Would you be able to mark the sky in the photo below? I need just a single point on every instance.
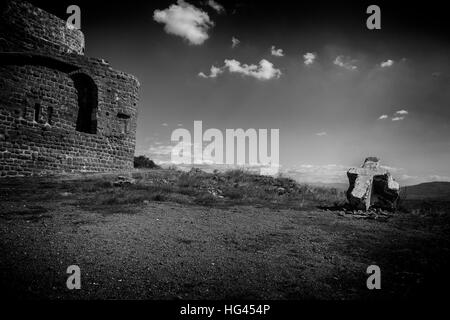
(337, 91)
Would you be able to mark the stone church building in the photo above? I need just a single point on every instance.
(60, 111)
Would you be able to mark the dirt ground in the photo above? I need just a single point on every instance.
(168, 250)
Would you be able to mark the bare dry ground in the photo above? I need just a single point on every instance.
(166, 237)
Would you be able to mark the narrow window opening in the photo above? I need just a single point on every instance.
(37, 112)
(50, 115)
(125, 126)
(23, 113)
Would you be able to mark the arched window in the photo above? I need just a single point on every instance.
(87, 102)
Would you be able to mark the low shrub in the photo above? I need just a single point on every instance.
(142, 162)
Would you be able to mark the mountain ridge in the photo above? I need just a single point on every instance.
(427, 190)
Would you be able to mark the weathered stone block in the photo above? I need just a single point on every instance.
(371, 185)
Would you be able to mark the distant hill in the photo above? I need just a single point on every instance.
(427, 190)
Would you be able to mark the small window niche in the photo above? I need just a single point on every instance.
(50, 115)
(23, 113)
(37, 112)
(124, 122)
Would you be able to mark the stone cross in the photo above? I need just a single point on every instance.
(371, 185)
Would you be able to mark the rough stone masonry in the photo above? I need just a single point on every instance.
(60, 111)
(371, 185)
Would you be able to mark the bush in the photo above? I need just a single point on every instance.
(159, 197)
(233, 194)
(187, 180)
(205, 199)
(237, 174)
(144, 162)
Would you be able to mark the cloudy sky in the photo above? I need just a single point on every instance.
(337, 91)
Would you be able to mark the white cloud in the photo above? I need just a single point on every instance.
(263, 71)
(321, 134)
(185, 20)
(345, 62)
(407, 177)
(164, 124)
(216, 6)
(383, 116)
(235, 42)
(309, 58)
(276, 52)
(392, 169)
(387, 63)
(399, 115)
(213, 73)
(438, 178)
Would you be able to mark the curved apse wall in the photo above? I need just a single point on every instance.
(58, 108)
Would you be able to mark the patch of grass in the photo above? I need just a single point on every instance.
(188, 191)
(205, 199)
(122, 198)
(132, 194)
(233, 194)
(186, 180)
(425, 207)
(230, 188)
(159, 196)
(233, 187)
(85, 185)
(237, 174)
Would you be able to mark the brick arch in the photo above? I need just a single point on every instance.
(87, 95)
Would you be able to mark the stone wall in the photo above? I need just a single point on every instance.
(59, 110)
(30, 28)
